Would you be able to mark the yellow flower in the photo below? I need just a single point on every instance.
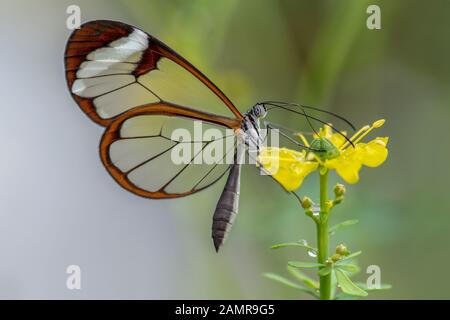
(287, 166)
(328, 150)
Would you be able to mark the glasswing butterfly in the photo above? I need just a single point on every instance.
(141, 90)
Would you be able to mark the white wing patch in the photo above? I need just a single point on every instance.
(94, 87)
(89, 69)
(137, 40)
(107, 76)
(115, 55)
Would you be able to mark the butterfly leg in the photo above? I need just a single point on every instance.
(280, 129)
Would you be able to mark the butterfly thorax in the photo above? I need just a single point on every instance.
(252, 117)
(251, 127)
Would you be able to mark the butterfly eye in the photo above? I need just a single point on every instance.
(259, 110)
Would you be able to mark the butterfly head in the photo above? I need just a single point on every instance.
(259, 111)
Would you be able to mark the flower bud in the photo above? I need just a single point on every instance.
(378, 123)
(339, 190)
(342, 250)
(329, 204)
(336, 257)
(306, 203)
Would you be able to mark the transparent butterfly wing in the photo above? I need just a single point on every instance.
(112, 67)
(164, 155)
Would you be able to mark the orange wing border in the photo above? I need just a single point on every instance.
(112, 134)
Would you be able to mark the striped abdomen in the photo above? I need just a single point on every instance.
(227, 207)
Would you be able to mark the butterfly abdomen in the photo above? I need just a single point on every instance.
(227, 207)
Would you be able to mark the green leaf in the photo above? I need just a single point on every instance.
(300, 243)
(344, 296)
(289, 283)
(313, 284)
(351, 268)
(346, 259)
(300, 264)
(325, 271)
(346, 223)
(353, 255)
(347, 286)
(383, 286)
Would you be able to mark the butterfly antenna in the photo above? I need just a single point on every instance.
(314, 108)
(274, 105)
(309, 122)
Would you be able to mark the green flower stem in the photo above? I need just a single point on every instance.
(323, 236)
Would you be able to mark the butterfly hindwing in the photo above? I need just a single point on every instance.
(142, 152)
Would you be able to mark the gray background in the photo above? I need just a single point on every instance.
(59, 206)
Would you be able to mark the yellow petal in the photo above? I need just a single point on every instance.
(373, 153)
(349, 173)
(337, 139)
(288, 167)
(327, 131)
(347, 165)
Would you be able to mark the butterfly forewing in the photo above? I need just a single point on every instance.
(112, 67)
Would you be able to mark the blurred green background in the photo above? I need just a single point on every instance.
(319, 53)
